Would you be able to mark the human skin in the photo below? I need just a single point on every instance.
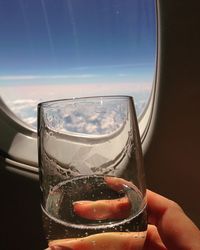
(172, 229)
(169, 229)
(103, 209)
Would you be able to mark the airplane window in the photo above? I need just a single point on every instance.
(53, 49)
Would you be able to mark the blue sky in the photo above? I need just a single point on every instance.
(76, 41)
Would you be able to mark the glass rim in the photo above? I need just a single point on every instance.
(48, 105)
(128, 97)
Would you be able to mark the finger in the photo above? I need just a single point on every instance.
(102, 241)
(177, 231)
(153, 240)
(118, 184)
(103, 209)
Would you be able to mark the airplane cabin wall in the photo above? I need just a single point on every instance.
(172, 150)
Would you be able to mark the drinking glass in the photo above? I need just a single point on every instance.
(91, 173)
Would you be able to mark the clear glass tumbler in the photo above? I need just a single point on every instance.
(91, 173)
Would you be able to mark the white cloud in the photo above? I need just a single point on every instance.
(38, 77)
(85, 119)
(23, 99)
(30, 120)
(125, 65)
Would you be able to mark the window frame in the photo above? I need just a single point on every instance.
(19, 150)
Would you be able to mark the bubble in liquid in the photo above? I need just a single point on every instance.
(51, 133)
(94, 243)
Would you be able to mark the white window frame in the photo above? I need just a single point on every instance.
(20, 151)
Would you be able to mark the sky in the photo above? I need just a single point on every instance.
(75, 37)
(76, 43)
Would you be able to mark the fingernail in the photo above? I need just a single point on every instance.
(60, 248)
(57, 248)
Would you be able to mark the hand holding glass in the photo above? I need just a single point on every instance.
(91, 173)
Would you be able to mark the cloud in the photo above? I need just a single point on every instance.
(31, 121)
(113, 66)
(46, 92)
(23, 99)
(83, 121)
(95, 119)
(38, 77)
